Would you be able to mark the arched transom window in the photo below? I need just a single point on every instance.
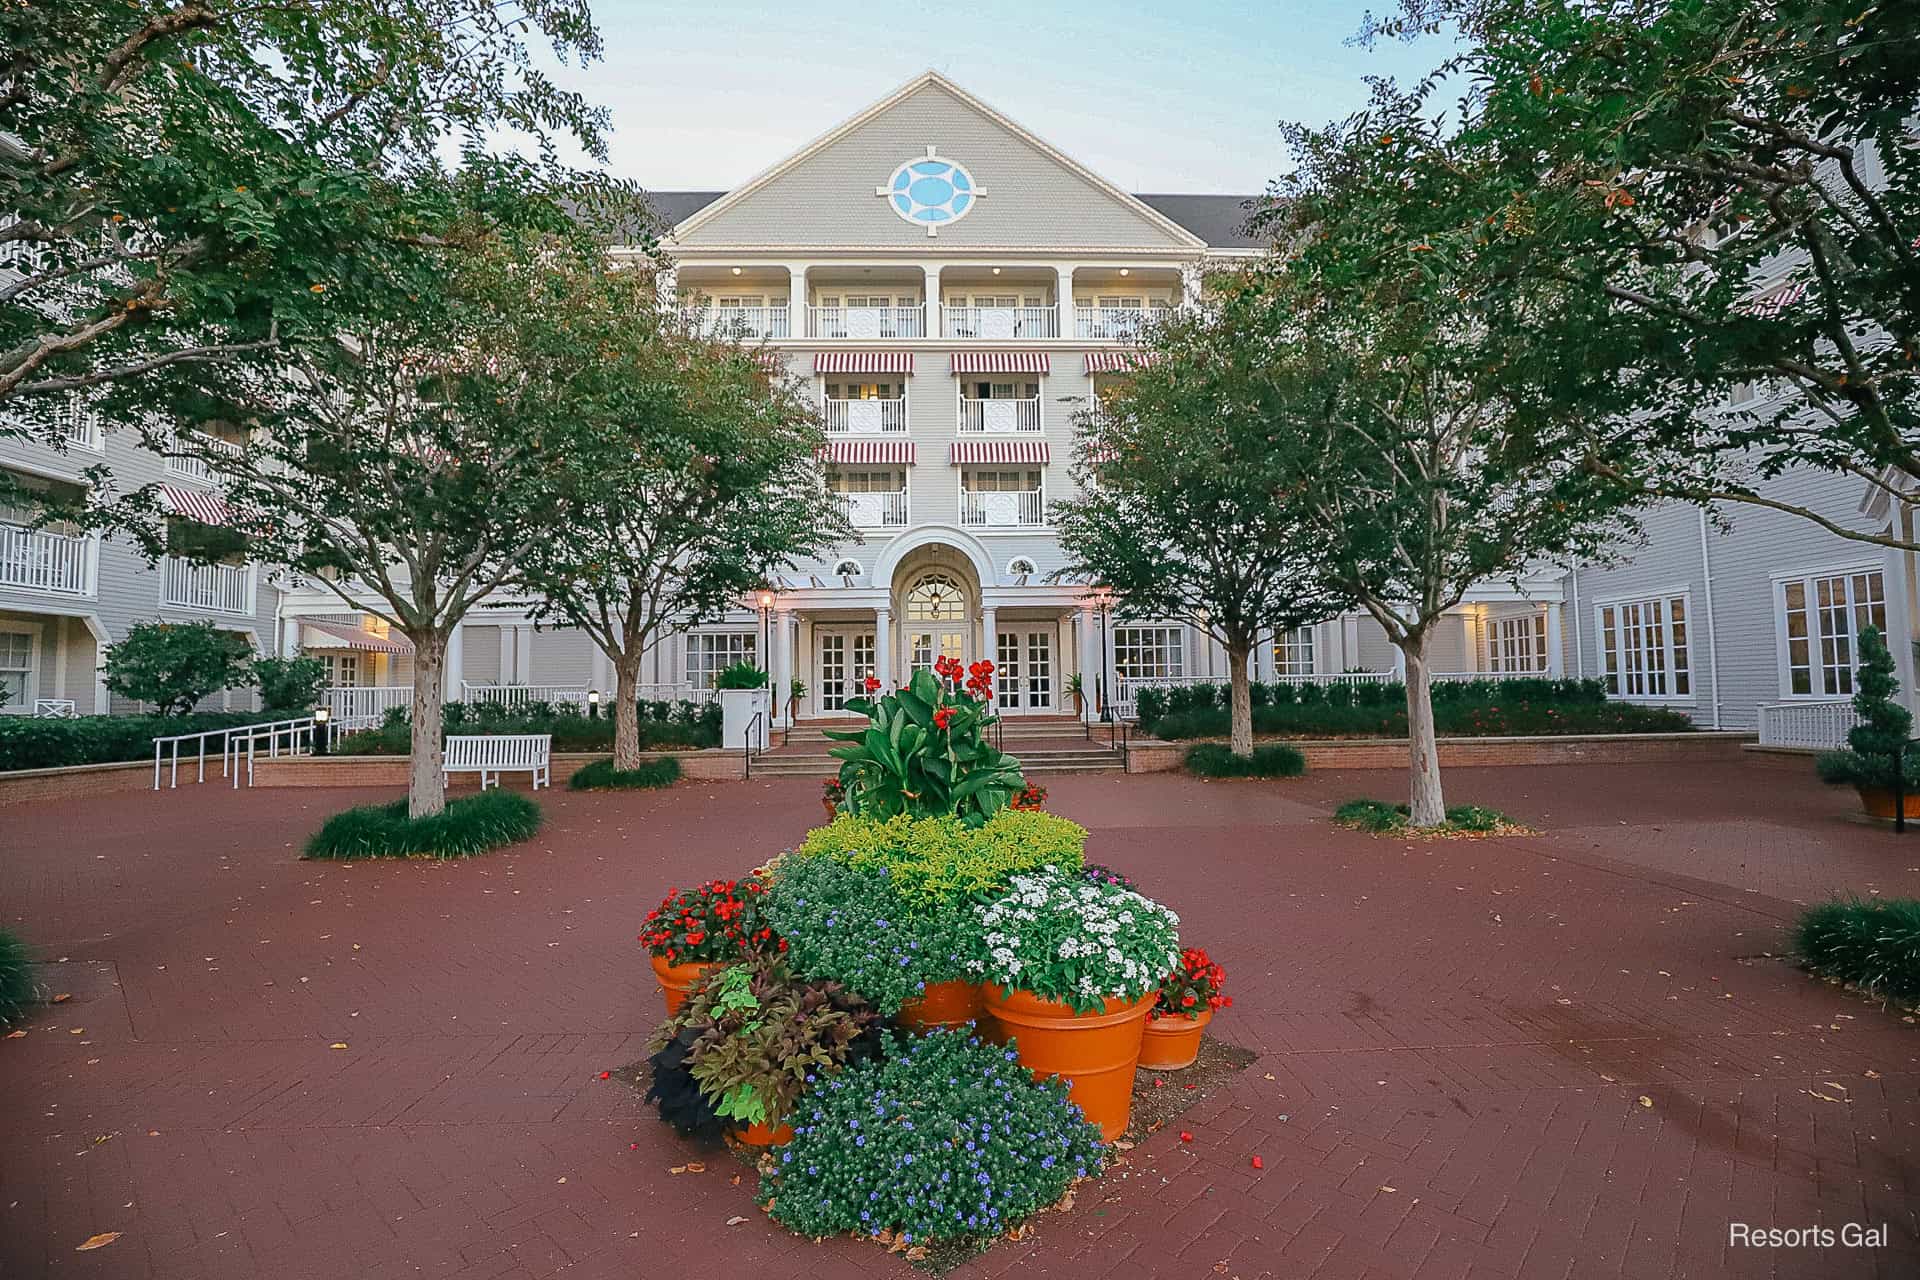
(936, 598)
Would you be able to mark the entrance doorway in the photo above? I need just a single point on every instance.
(1023, 679)
(937, 625)
(843, 659)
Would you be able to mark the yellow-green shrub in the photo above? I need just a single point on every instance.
(934, 860)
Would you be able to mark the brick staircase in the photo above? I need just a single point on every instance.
(1044, 744)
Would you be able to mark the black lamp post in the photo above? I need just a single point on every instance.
(321, 717)
(593, 704)
(1106, 707)
(766, 635)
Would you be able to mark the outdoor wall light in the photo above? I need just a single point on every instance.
(593, 704)
(1123, 271)
(736, 271)
(322, 716)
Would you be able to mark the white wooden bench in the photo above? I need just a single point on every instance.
(490, 755)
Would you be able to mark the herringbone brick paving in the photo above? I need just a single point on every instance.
(1458, 1041)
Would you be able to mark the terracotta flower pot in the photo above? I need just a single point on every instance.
(945, 1004)
(831, 809)
(1878, 802)
(1172, 1042)
(1095, 1052)
(677, 979)
(765, 1135)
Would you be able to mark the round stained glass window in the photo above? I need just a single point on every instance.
(931, 191)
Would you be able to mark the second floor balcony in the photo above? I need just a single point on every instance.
(1003, 416)
(746, 323)
(219, 588)
(192, 466)
(43, 561)
(1115, 323)
(870, 416)
(1002, 508)
(883, 509)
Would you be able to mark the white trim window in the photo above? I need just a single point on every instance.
(1819, 621)
(1644, 651)
(343, 669)
(1517, 645)
(711, 652)
(16, 671)
(1149, 653)
(1293, 652)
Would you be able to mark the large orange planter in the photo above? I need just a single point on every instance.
(1095, 1052)
(1172, 1042)
(765, 1135)
(677, 979)
(1878, 802)
(944, 1004)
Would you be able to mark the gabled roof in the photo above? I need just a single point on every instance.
(1219, 220)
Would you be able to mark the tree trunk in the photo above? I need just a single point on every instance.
(626, 713)
(1428, 806)
(1241, 700)
(426, 781)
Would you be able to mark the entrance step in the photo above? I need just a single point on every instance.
(805, 762)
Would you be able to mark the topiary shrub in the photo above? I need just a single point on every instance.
(469, 825)
(1880, 751)
(848, 925)
(940, 860)
(942, 1137)
(600, 775)
(1873, 945)
(1217, 760)
(16, 978)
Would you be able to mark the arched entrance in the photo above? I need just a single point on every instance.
(935, 595)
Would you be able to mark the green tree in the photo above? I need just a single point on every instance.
(174, 665)
(1180, 512)
(289, 683)
(693, 474)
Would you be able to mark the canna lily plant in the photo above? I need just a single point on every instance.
(924, 751)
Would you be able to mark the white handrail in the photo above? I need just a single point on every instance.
(229, 750)
(293, 730)
(1821, 725)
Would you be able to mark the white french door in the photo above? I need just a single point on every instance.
(1023, 676)
(842, 662)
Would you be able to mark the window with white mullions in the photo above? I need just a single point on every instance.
(1293, 652)
(1006, 678)
(343, 669)
(711, 652)
(1821, 617)
(1644, 648)
(1149, 653)
(1517, 645)
(16, 671)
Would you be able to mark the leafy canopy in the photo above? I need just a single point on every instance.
(173, 665)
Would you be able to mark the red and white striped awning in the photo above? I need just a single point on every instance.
(1001, 362)
(197, 504)
(866, 452)
(863, 362)
(337, 635)
(969, 452)
(774, 362)
(1768, 305)
(1118, 361)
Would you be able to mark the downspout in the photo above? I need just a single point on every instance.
(1579, 649)
(1713, 650)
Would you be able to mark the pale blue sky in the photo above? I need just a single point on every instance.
(1154, 96)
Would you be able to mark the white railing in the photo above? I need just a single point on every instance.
(364, 706)
(999, 417)
(740, 322)
(191, 467)
(881, 510)
(672, 693)
(80, 426)
(1113, 324)
(1011, 508)
(223, 588)
(865, 417)
(1344, 677)
(515, 695)
(55, 709)
(866, 322)
(1818, 725)
(995, 323)
(39, 560)
(231, 743)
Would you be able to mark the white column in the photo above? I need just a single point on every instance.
(1190, 286)
(57, 632)
(667, 288)
(454, 663)
(523, 654)
(601, 674)
(1063, 295)
(1556, 661)
(990, 629)
(1349, 641)
(933, 301)
(883, 646)
(1264, 665)
(797, 300)
(781, 677)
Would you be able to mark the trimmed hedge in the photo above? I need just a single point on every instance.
(16, 978)
(1217, 760)
(1873, 945)
(1382, 818)
(662, 724)
(1461, 708)
(600, 775)
(469, 825)
(27, 743)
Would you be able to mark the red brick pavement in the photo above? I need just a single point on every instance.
(1454, 1040)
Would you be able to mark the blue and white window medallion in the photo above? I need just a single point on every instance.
(931, 192)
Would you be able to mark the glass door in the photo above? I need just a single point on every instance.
(1039, 689)
(1006, 677)
(844, 660)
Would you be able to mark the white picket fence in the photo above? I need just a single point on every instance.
(1815, 725)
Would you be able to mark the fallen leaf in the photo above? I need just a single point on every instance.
(735, 1221)
(100, 1241)
(734, 1181)
(606, 1075)
(16, 1035)
(63, 997)
(677, 1170)
(338, 1044)
(1385, 1187)
(694, 1166)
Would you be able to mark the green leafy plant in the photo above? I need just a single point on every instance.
(719, 921)
(600, 775)
(469, 825)
(16, 978)
(1382, 818)
(1063, 937)
(175, 664)
(756, 1038)
(741, 675)
(939, 860)
(849, 925)
(1217, 760)
(943, 1137)
(27, 743)
(290, 684)
(1880, 749)
(1874, 945)
(923, 752)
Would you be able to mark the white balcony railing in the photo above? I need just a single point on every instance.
(222, 588)
(740, 322)
(79, 425)
(39, 560)
(364, 706)
(197, 468)
(1113, 324)
(1818, 725)
(865, 417)
(866, 322)
(514, 695)
(1006, 509)
(881, 510)
(999, 417)
(996, 323)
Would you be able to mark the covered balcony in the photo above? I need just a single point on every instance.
(1002, 484)
(191, 463)
(1119, 304)
(50, 560)
(999, 304)
(863, 392)
(745, 304)
(869, 479)
(866, 302)
(216, 588)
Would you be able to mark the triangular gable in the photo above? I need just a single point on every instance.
(987, 181)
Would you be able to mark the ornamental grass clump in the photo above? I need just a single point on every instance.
(600, 775)
(1063, 938)
(469, 825)
(940, 860)
(942, 1137)
(848, 925)
(1873, 945)
(16, 978)
(1217, 760)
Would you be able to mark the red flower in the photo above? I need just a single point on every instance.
(943, 717)
(873, 684)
